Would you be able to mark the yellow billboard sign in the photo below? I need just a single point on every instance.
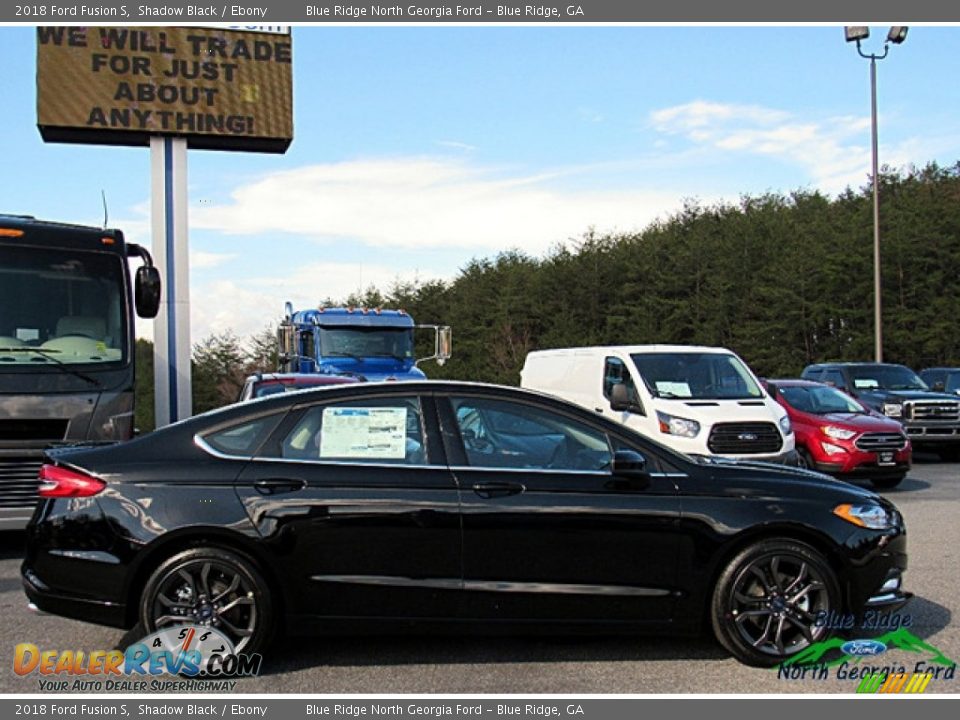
(218, 88)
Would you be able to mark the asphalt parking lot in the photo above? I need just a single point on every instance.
(929, 499)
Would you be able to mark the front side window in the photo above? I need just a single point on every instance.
(61, 306)
(616, 372)
(696, 375)
(953, 382)
(504, 434)
(371, 430)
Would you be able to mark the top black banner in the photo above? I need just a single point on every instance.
(266, 14)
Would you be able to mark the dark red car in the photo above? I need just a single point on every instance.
(263, 384)
(839, 436)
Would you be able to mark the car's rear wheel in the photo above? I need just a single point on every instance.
(768, 599)
(886, 483)
(210, 587)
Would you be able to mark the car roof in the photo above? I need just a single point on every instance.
(308, 378)
(853, 363)
(793, 382)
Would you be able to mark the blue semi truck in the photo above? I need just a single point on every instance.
(373, 343)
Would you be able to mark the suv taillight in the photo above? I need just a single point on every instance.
(61, 482)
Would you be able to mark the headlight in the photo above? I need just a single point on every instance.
(866, 516)
(677, 426)
(831, 449)
(893, 409)
(838, 433)
(785, 427)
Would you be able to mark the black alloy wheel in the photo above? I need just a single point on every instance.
(767, 601)
(214, 588)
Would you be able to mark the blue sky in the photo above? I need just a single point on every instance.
(418, 148)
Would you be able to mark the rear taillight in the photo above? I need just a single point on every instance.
(61, 482)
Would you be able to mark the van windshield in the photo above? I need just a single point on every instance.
(696, 375)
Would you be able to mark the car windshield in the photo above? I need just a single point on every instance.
(367, 342)
(699, 375)
(819, 400)
(60, 307)
(886, 377)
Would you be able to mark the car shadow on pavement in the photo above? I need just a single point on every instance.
(294, 653)
(12, 544)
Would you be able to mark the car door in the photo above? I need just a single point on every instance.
(356, 499)
(548, 531)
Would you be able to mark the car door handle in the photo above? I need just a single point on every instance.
(498, 489)
(274, 486)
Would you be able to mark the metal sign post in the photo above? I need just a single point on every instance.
(171, 346)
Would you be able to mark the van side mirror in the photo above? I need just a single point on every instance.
(620, 400)
(629, 464)
(146, 291)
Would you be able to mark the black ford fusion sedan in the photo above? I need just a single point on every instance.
(398, 505)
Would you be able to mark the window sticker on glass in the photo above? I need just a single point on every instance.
(865, 383)
(677, 389)
(378, 433)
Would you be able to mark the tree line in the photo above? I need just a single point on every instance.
(782, 279)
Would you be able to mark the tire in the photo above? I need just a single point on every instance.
(766, 600)
(241, 607)
(949, 454)
(804, 459)
(887, 483)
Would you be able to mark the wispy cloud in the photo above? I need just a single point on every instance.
(833, 151)
(429, 202)
(456, 145)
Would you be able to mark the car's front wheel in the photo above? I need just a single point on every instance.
(770, 600)
(210, 587)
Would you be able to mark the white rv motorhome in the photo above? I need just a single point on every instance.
(697, 400)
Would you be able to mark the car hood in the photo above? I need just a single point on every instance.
(882, 395)
(759, 476)
(857, 421)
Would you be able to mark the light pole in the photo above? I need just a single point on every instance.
(897, 34)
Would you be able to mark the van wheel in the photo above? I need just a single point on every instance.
(210, 587)
(766, 602)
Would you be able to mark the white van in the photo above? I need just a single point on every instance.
(697, 400)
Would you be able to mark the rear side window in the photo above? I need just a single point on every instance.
(243, 439)
(373, 430)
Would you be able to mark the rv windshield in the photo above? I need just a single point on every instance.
(367, 342)
(696, 375)
(60, 307)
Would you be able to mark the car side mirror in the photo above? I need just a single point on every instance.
(146, 291)
(629, 464)
(620, 400)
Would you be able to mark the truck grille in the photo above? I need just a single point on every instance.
(877, 442)
(744, 439)
(18, 483)
(933, 410)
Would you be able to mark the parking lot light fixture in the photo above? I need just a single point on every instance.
(896, 35)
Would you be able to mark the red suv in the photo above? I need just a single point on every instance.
(839, 436)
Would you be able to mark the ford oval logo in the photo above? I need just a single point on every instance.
(862, 648)
(747, 437)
